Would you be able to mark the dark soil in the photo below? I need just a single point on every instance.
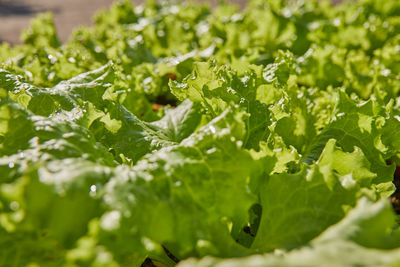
(395, 197)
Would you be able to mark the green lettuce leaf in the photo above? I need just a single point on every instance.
(351, 242)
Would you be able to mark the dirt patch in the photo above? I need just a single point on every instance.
(15, 15)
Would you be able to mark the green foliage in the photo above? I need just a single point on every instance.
(173, 131)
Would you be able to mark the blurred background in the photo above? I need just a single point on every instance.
(15, 15)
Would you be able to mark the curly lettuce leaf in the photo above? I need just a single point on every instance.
(351, 242)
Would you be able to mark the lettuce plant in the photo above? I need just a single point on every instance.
(175, 134)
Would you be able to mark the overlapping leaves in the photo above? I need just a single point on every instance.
(173, 131)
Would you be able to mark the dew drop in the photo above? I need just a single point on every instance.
(14, 205)
(245, 79)
(178, 183)
(93, 190)
(148, 80)
(211, 150)
(212, 129)
(111, 221)
(385, 72)
(160, 33)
